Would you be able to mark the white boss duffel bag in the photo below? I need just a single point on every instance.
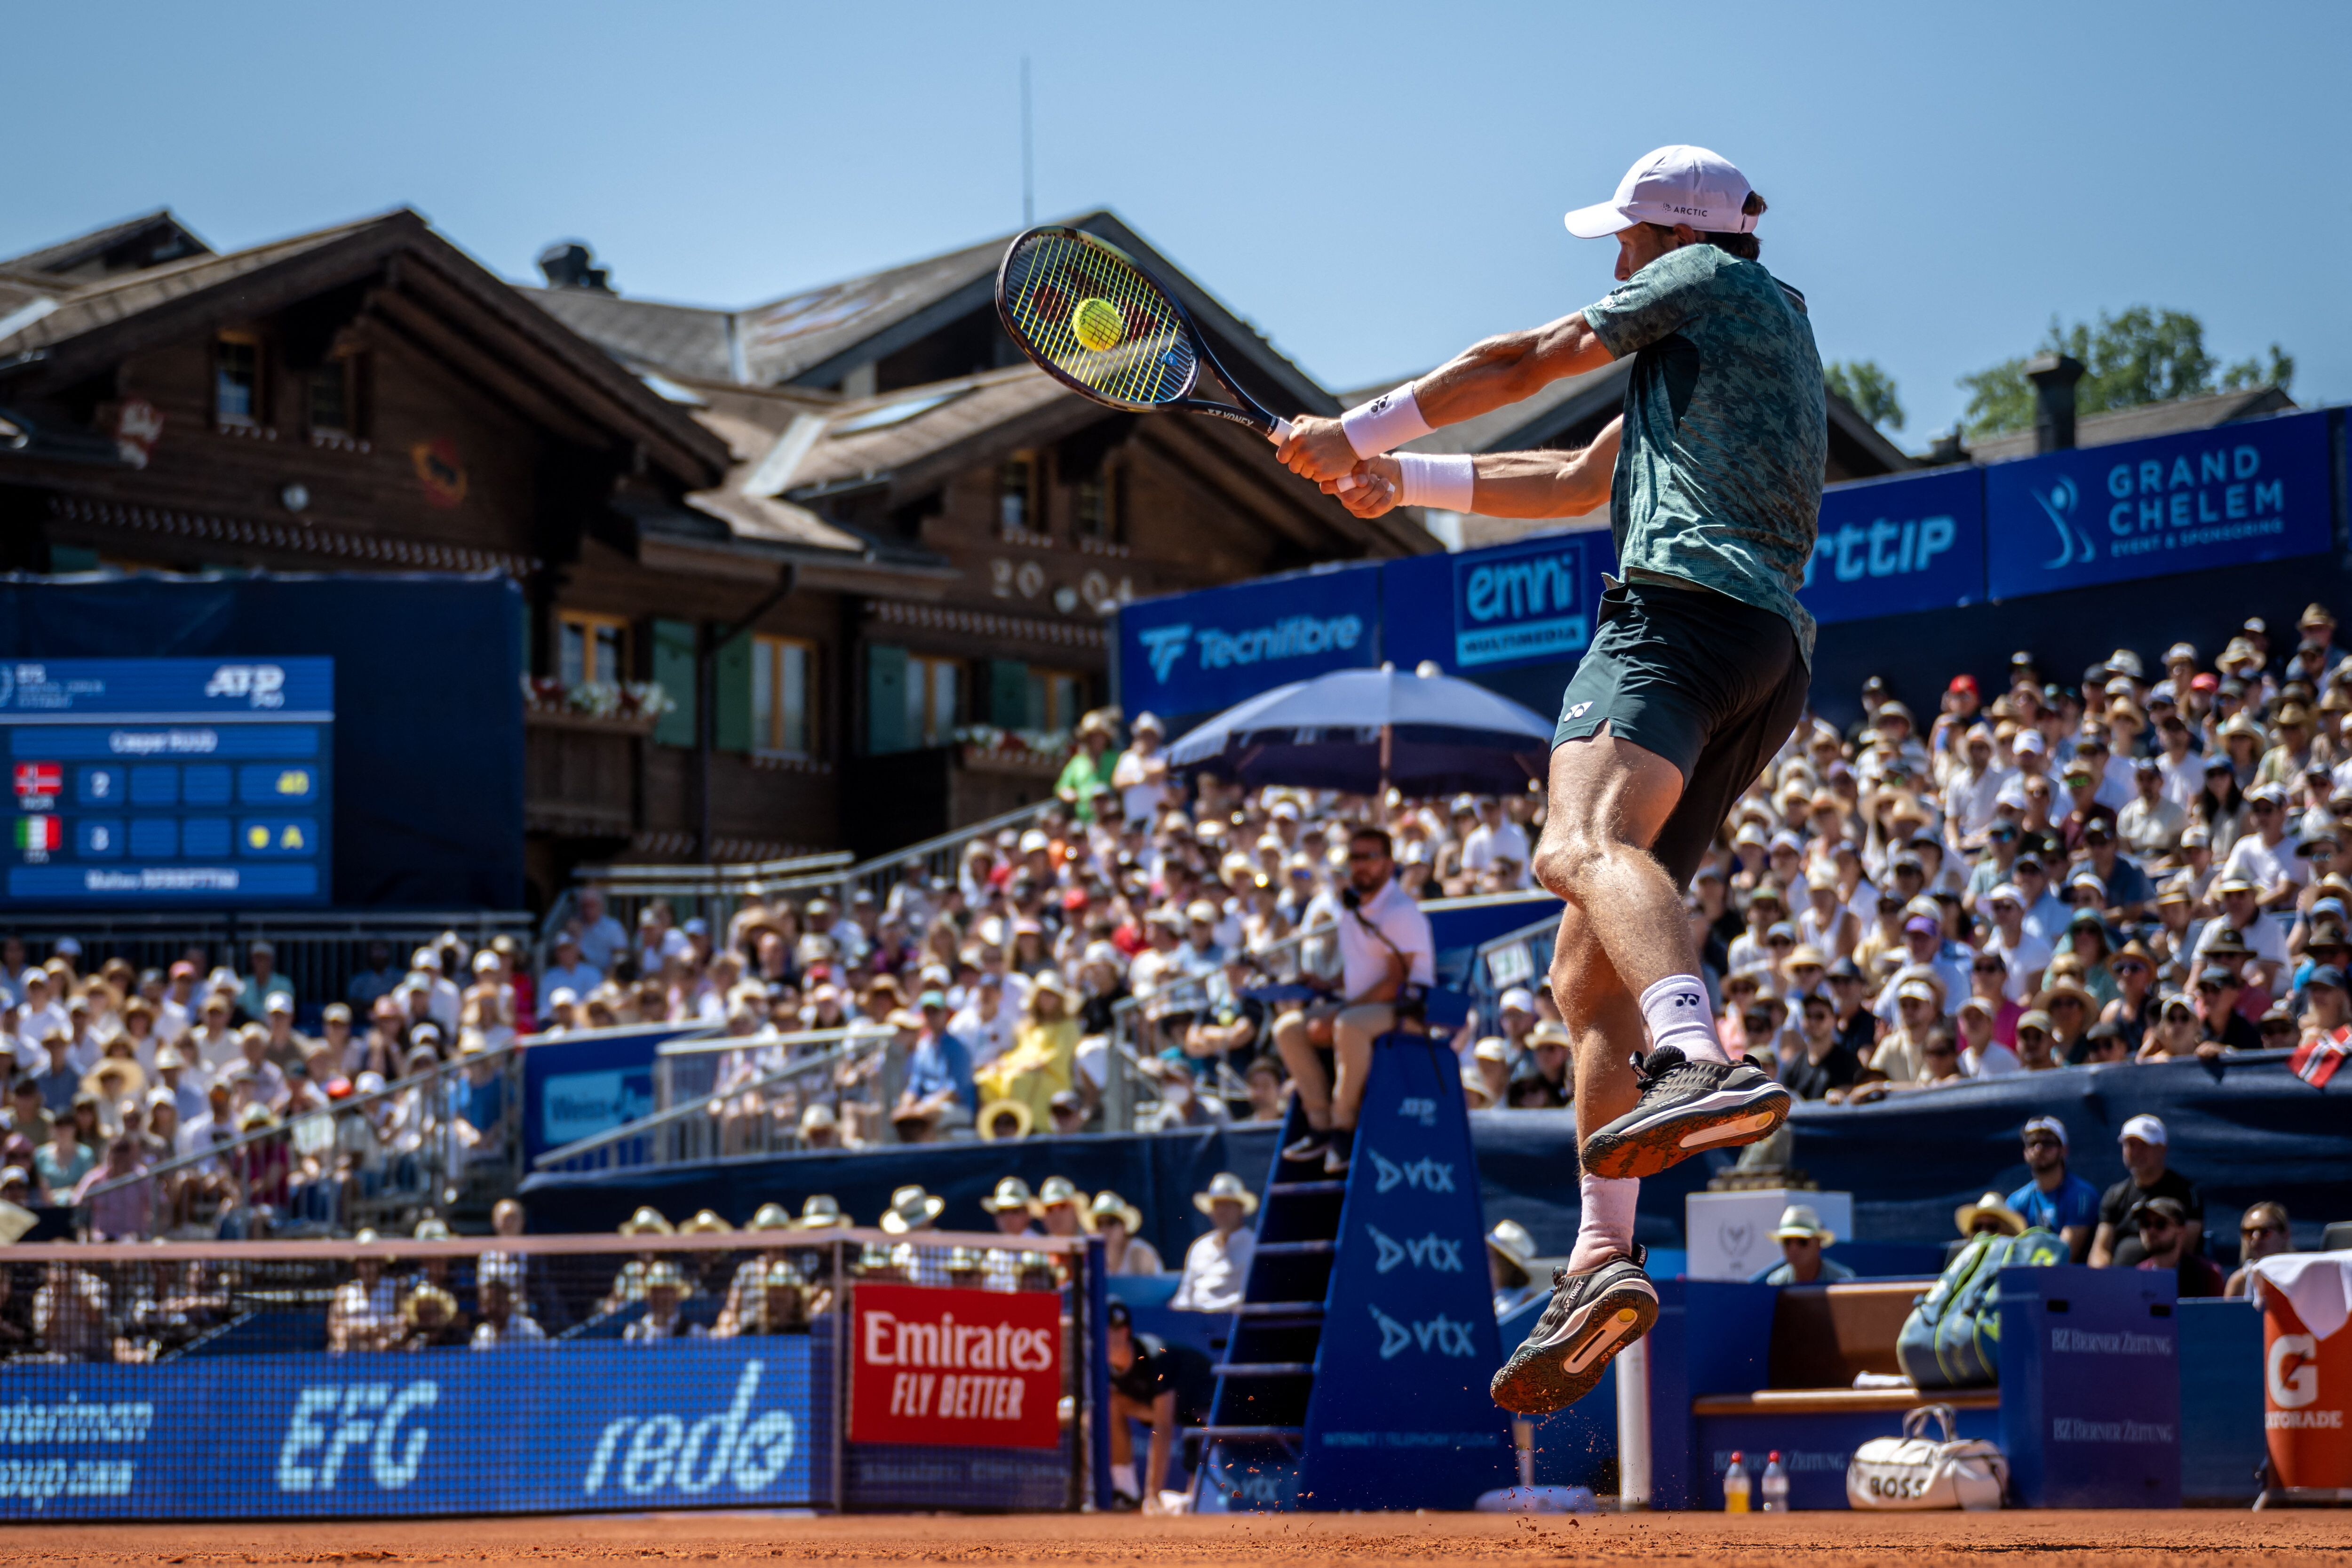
(1915, 1471)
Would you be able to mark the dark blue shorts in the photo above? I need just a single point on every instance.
(1711, 684)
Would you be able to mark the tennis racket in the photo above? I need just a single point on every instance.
(1088, 316)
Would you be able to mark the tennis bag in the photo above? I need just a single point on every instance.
(1916, 1472)
(1952, 1337)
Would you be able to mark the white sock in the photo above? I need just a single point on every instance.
(1605, 1230)
(1676, 1012)
(1122, 1479)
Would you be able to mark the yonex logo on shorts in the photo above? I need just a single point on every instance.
(1579, 710)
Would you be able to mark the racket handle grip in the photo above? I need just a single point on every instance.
(1281, 433)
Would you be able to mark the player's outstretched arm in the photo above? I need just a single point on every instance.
(1503, 484)
(1482, 377)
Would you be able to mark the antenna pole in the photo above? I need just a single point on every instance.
(1028, 158)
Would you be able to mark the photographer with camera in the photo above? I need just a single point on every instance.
(1387, 960)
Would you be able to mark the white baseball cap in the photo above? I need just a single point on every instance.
(2146, 1128)
(1674, 185)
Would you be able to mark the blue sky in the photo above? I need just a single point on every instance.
(1375, 184)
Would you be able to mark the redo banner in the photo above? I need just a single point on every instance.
(966, 1368)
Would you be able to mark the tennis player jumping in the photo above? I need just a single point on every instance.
(1695, 676)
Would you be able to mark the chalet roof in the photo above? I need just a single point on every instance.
(2148, 419)
(814, 336)
(876, 435)
(61, 329)
(147, 240)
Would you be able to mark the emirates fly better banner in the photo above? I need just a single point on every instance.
(964, 1368)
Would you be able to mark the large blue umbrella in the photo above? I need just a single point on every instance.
(1362, 730)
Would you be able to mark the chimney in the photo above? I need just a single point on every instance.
(2053, 377)
(566, 264)
(1947, 449)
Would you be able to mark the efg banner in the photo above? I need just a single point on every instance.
(535, 1429)
(1194, 653)
(1894, 545)
(1530, 602)
(2223, 497)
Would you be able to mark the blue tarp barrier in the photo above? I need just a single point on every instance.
(2243, 1129)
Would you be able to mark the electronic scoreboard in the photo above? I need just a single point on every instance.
(144, 782)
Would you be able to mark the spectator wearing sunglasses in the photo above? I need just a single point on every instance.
(2133, 969)
(2267, 857)
(2262, 1233)
(2055, 1198)
(1989, 980)
(2248, 936)
(2328, 1009)
(2127, 889)
(2221, 1026)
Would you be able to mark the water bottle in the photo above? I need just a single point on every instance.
(1735, 1486)
(1775, 1484)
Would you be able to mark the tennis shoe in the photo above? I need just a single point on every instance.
(1687, 1108)
(1593, 1316)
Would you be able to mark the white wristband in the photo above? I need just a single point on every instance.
(1387, 422)
(1446, 482)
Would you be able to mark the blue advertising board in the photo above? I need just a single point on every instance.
(2256, 490)
(578, 1084)
(1533, 601)
(543, 1429)
(1192, 653)
(1894, 545)
(139, 782)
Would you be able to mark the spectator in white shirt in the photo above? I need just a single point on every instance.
(1497, 843)
(445, 1003)
(1969, 796)
(1216, 1266)
(601, 939)
(39, 1013)
(1982, 1056)
(1140, 775)
(985, 1025)
(2267, 857)
(2025, 955)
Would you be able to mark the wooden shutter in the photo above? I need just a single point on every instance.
(673, 668)
(731, 696)
(886, 698)
(1008, 694)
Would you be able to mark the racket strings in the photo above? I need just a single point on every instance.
(1045, 283)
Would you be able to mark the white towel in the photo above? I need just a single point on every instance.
(2317, 1285)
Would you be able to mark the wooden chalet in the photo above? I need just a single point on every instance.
(852, 536)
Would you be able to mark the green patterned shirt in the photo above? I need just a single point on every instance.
(1719, 480)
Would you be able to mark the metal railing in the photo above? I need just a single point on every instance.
(751, 1112)
(1521, 957)
(714, 893)
(1129, 1091)
(448, 1139)
(319, 954)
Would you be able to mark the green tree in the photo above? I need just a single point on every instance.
(1869, 388)
(2140, 356)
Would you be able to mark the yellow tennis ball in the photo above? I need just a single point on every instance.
(1096, 325)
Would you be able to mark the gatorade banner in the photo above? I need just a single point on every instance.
(964, 1368)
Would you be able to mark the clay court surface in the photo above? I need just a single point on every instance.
(2203, 1538)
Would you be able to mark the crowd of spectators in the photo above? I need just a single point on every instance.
(183, 1070)
(2139, 864)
